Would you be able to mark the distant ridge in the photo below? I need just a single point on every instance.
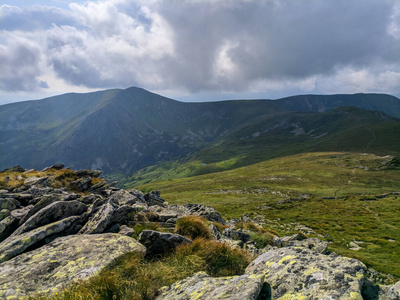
(121, 131)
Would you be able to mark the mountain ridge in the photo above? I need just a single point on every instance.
(121, 131)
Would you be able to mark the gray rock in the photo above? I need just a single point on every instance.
(394, 291)
(44, 201)
(4, 213)
(7, 226)
(154, 198)
(123, 197)
(313, 243)
(125, 230)
(51, 213)
(36, 181)
(277, 241)
(138, 194)
(203, 287)
(87, 172)
(55, 167)
(205, 211)
(82, 184)
(15, 245)
(22, 212)
(215, 232)
(102, 219)
(9, 203)
(54, 266)
(236, 235)
(161, 242)
(300, 273)
(287, 240)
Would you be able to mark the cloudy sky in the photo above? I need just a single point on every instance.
(196, 50)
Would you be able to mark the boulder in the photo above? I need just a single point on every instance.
(15, 245)
(9, 203)
(394, 291)
(55, 167)
(123, 197)
(21, 212)
(82, 184)
(54, 266)
(300, 273)
(102, 219)
(125, 230)
(205, 211)
(36, 180)
(311, 243)
(7, 226)
(87, 172)
(236, 235)
(4, 213)
(161, 242)
(42, 203)
(203, 287)
(154, 198)
(51, 213)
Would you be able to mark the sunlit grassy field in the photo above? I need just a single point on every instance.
(342, 196)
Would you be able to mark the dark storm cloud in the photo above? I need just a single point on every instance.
(207, 46)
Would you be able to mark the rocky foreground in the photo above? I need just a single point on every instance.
(53, 234)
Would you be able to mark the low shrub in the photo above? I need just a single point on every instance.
(193, 227)
(145, 226)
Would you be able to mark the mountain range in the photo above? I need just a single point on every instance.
(131, 132)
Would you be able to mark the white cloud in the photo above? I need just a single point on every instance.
(203, 46)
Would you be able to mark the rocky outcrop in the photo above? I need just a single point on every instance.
(296, 272)
(51, 236)
(61, 262)
(203, 287)
(161, 242)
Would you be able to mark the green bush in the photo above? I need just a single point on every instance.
(193, 227)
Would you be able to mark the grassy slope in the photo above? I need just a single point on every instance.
(353, 214)
(344, 129)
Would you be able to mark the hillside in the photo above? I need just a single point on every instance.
(343, 197)
(123, 131)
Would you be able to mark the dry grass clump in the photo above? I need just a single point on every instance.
(261, 236)
(193, 227)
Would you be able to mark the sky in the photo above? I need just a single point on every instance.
(199, 50)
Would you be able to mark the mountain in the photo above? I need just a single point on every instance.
(123, 131)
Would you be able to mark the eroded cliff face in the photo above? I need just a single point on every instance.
(58, 226)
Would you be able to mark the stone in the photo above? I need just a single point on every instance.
(51, 213)
(205, 211)
(42, 203)
(21, 212)
(203, 287)
(154, 198)
(102, 219)
(138, 194)
(300, 273)
(236, 235)
(14, 245)
(82, 184)
(287, 240)
(161, 242)
(394, 291)
(7, 226)
(214, 232)
(123, 197)
(87, 172)
(9, 203)
(4, 213)
(18, 169)
(36, 180)
(54, 266)
(55, 167)
(312, 243)
(125, 230)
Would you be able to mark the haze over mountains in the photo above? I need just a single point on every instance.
(123, 131)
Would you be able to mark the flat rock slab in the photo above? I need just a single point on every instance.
(203, 287)
(58, 264)
(300, 273)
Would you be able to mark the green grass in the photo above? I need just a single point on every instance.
(333, 193)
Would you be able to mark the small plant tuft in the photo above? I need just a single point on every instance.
(193, 227)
